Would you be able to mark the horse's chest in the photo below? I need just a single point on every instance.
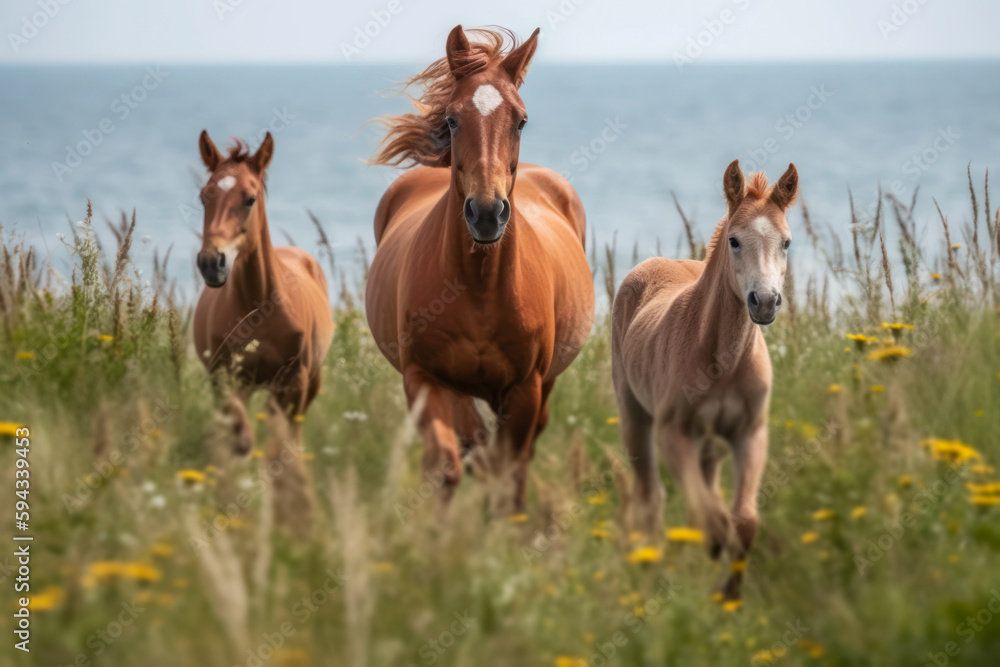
(476, 351)
(724, 414)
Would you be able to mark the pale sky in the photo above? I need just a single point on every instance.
(273, 31)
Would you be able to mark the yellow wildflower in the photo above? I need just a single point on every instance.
(518, 518)
(988, 489)
(983, 469)
(383, 567)
(141, 572)
(980, 413)
(834, 389)
(635, 536)
(820, 515)
(904, 481)
(956, 246)
(598, 498)
(645, 555)
(599, 575)
(877, 388)
(985, 501)
(858, 512)
(601, 533)
(257, 454)
(950, 450)
(106, 338)
(684, 534)
(935, 276)
(47, 600)
(613, 420)
(891, 353)
(810, 537)
(261, 416)
(896, 326)
(812, 648)
(9, 428)
(732, 605)
(768, 656)
(24, 356)
(162, 550)
(629, 599)
(192, 476)
(569, 661)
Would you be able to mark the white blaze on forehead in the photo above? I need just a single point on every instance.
(487, 99)
(226, 183)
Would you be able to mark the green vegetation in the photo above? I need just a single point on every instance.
(880, 528)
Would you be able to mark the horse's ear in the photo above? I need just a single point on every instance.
(786, 188)
(516, 62)
(209, 153)
(732, 185)
(263, 156)
(458, 50)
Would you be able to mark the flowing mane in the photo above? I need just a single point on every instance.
(423, 138)
(757, 188)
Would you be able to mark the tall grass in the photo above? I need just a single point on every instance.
(872, 550)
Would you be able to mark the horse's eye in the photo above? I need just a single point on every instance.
(249, 201)
(788, 242)
(734, 243)
(452, 123)
(520, 126)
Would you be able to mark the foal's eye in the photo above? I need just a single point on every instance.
(520, 126)
(249, 201)
(788, 242)
(452, 123)
(734, 243)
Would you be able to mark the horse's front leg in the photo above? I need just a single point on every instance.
(291, 481)
(433, 407)
(749, 461)
(518, 423)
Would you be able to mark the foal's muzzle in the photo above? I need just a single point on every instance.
(486, 220)
(214, 268)
(763, 306)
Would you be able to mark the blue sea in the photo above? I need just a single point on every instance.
(625, 135)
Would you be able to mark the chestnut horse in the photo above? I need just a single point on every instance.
(691, 369)
(480, 286)
(265, 313)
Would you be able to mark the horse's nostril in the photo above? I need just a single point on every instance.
(222, 260)
(752, 300)
(504, 211)
(471, 210)
(777, 301)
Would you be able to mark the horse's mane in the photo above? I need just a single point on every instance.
(239, 153)
(423, 138)
(756, 188)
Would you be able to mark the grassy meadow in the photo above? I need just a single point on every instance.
(152, 546)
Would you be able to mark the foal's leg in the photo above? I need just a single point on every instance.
(235, 410)
(473, 436)
(516, 437)
(749, 461)
(290, 479)
(636, 428)
(705, 509)
(436, 424)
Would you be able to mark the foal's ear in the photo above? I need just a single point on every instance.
(262, 157)
(786, 188)
(458, 51)
(516, 62)
(209, 153)
(732, 185)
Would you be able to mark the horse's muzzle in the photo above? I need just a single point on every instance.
(486, 220)
(214, 268)
(764, 306)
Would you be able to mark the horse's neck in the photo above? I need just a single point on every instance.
(487, 271)
(726, 329)
(258, 278)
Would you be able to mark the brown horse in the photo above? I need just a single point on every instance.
(480, 286)
(692, 370)
(265, 314)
